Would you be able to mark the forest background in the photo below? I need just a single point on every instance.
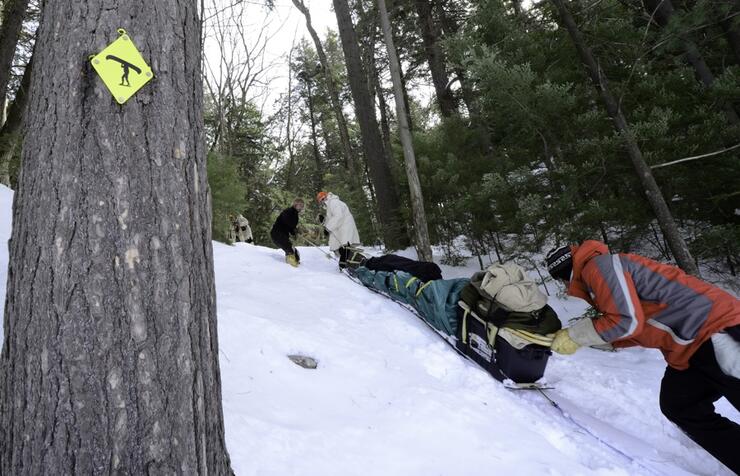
(515, 147)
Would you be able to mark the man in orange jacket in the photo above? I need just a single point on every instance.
(694, 324)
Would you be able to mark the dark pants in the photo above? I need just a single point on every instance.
(282, 240)
(687, 398)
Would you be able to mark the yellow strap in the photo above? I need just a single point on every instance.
(354, 260)
(411, 281)
(395, 281)
(465, 326)
(539, 339)
(422, 288)
(491, 333)
(477, 318)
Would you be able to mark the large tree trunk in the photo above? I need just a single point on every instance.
(336, 104)
(652, 191)
(661, 11)
(110, 359)
(421, 232)
(430, 34)
(388, 203)
(405, 97)
(14, 11)
(10, 132)
(375, 88)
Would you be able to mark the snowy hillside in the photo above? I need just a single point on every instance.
(6, 205)
(390, 398)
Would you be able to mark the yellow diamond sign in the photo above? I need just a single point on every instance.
(122, 68)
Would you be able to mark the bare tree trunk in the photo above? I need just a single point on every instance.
(388, 203)
(405, 97)
(336, 104)
(662, 10)
(385, 127)
(652, 191)
(430, 34)
(110, 359)
(371, 28)
(421, 232)
(14, 11)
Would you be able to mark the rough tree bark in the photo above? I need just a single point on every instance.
(11, 131)
(389, 212)
(430, 34)
(382, 105)
(421, 231)
(662, 11)
(406, 99)
(652, 191)
(336, 104)
(14, 11)
(110, 359)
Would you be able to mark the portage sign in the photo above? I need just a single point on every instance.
(122, 68)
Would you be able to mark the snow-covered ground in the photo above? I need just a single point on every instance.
(390, 398)
(6, 205)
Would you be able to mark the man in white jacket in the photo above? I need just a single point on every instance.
(338, 222)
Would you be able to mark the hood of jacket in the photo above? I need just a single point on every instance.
(582, 254)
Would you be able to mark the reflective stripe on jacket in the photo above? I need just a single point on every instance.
(650, 304)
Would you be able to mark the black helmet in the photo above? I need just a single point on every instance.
(560, 263)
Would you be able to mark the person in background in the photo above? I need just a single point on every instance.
(285, 226)
(646, 303)
(340, 224)
(242, 230)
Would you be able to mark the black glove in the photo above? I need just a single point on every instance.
(250, 241)
(326, 233)
(321, 218)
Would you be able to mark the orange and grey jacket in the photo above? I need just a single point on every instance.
(650, 304)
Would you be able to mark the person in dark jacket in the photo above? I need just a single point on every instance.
(285, 227)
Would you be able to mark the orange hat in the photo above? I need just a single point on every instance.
(321, 196)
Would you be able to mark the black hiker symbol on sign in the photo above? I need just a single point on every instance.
(122, 68)
(126, 67)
